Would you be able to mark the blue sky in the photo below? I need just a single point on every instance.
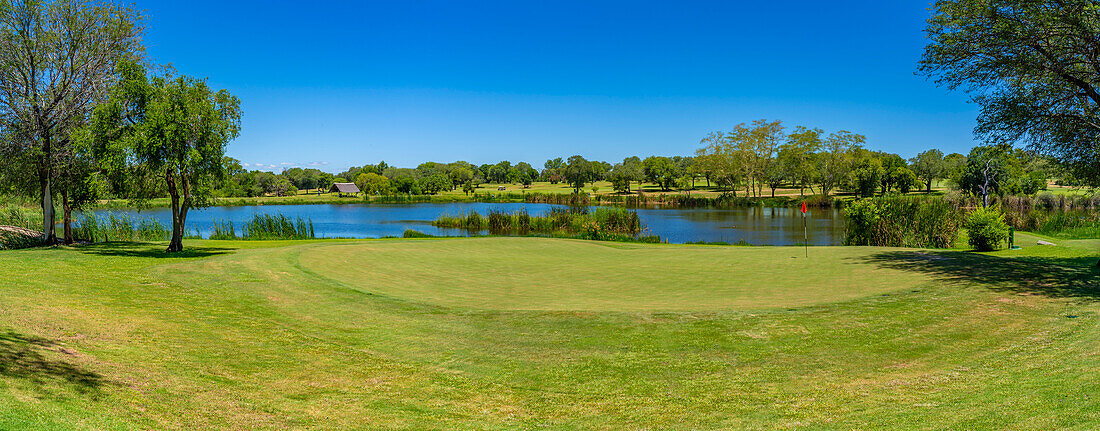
(347, 83)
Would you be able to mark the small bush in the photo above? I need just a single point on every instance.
(986, 229)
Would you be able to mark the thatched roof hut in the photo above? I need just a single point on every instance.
(344, 188)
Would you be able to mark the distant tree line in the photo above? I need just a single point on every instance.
(754, 159)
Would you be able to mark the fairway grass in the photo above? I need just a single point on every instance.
(530, 333)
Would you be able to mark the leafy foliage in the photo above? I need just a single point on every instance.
(986, 229)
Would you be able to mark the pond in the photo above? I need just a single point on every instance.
(752, 225)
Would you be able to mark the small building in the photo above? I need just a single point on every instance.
(344, 188)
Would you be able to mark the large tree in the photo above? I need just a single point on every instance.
(1033, 68)
(172, 127)
(57, 60)
(929, 166)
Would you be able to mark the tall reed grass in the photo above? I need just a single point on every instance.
(277, 226)
(924, 222)
(595, 223)
(21, 216)
(265, 227)
(124, 227)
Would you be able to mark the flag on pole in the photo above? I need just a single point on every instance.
(805, 236)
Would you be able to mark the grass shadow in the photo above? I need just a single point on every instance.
(23, 357)
(140, 249)
(1068, 277)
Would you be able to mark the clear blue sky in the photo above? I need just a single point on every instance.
(333, 84)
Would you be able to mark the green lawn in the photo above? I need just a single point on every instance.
(521, 333)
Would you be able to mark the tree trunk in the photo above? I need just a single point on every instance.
(176, 244)
(68, 211)
(929, 187)
(48, 217)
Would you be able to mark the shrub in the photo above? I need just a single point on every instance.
(986, 229)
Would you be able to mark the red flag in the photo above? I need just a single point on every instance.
(803, 207)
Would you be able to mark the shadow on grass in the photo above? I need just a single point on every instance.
(139, 249)
(22, 356)
(1054, 277)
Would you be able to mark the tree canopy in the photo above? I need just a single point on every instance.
(170, 127)
(1032, 68)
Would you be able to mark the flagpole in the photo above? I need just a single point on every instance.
(805, 236)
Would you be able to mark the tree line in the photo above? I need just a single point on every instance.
(754, 159)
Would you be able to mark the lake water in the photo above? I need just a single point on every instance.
(753, 225)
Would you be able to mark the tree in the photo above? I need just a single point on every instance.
(497, 174)
(57, 60)
(661, 171)
(718, 160)
(796, 157)
(622, 174)
(468, 187)
(282, 186)
(929, 166)
(866, 177)
(461, 174)
(373, 184)
(78, 179)
(577, 172)
(525, 170)
(406, 184)
(175, 127)
(986, 167)
(836, 158)
(903, 179)
(1032, 68)
(620, 182)
(435, 183)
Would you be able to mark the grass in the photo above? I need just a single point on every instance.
(521, 333)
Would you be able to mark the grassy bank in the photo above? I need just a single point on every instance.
(521, 333)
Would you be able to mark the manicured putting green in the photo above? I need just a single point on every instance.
(545, 274)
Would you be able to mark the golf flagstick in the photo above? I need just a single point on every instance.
(805, 236)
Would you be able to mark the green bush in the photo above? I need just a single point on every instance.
(986, 229)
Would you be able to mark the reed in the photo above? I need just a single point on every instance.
(921, 222)
(595, 223)
(21, 216)
(125, 227)
(277, 226)
(224, 230)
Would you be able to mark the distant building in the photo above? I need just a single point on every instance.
(344, 188)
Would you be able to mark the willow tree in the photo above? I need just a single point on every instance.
(171, 128)
(57, 60)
